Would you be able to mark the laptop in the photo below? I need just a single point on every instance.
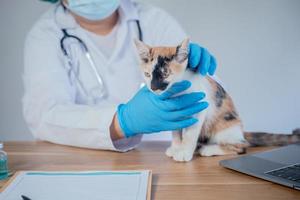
(281, 165)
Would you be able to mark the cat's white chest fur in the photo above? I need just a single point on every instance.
(199, 84)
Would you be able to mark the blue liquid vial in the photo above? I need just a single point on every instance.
(3, 163)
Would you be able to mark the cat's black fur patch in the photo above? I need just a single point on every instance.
(220, 95)
(158, 85)
(203, 139)
(159, 72)
(230, 116)
(160, 62)
(177, 49)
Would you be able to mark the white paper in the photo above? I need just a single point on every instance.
(91, 185)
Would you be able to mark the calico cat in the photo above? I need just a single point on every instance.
(219, 130)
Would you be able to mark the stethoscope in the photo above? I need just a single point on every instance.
(101, 93)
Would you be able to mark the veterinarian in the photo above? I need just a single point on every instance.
(82, 78)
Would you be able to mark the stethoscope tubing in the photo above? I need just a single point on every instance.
(66, 35)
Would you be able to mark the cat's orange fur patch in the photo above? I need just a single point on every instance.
(168, 52)
(176, 67)
(162, 51)
(218, 123)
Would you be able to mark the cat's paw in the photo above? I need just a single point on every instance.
(183, 155)
(170, 151)
(211, 150)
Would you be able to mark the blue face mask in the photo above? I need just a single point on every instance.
(93, 9)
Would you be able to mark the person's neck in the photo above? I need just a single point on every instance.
(99, 27)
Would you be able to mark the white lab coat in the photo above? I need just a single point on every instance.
(54, 108)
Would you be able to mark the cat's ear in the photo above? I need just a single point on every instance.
(182, 51)
(143, 50)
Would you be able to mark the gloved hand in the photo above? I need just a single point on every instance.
(148, 113)
(201, 60)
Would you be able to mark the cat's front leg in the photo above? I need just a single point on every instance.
(189, 142)
(176, 142)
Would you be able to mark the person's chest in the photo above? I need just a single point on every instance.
(119, 72)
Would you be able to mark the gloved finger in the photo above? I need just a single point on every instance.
(213, 66)
(182, 101)
(204, 62)
(194, 109)
(175, 89)
(177, 125)
(186, 112)
(194, 55)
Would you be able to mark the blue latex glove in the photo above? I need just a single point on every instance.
(148, 113)
(201, 60)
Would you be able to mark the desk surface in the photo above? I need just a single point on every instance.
(201, 178)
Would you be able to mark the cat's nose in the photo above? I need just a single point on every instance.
(154, 87)
(158, 86)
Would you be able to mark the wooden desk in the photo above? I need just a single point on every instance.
(202, 178)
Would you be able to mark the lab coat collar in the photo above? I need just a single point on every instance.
(65, 20)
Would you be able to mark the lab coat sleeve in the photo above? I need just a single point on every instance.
(49, 105)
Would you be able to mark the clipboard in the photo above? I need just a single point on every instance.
(18, 175)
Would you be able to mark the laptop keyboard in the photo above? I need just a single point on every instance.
(291, 173)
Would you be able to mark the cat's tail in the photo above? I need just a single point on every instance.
(271, 139)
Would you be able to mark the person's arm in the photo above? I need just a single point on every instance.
(116, 132)
(49, 102)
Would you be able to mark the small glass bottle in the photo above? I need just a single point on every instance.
(3, 163)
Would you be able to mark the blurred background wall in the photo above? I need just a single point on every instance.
(257, 45)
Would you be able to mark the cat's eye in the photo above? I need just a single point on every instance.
(167, 59)
(165, 75)
(146, 60)
(147, 74)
